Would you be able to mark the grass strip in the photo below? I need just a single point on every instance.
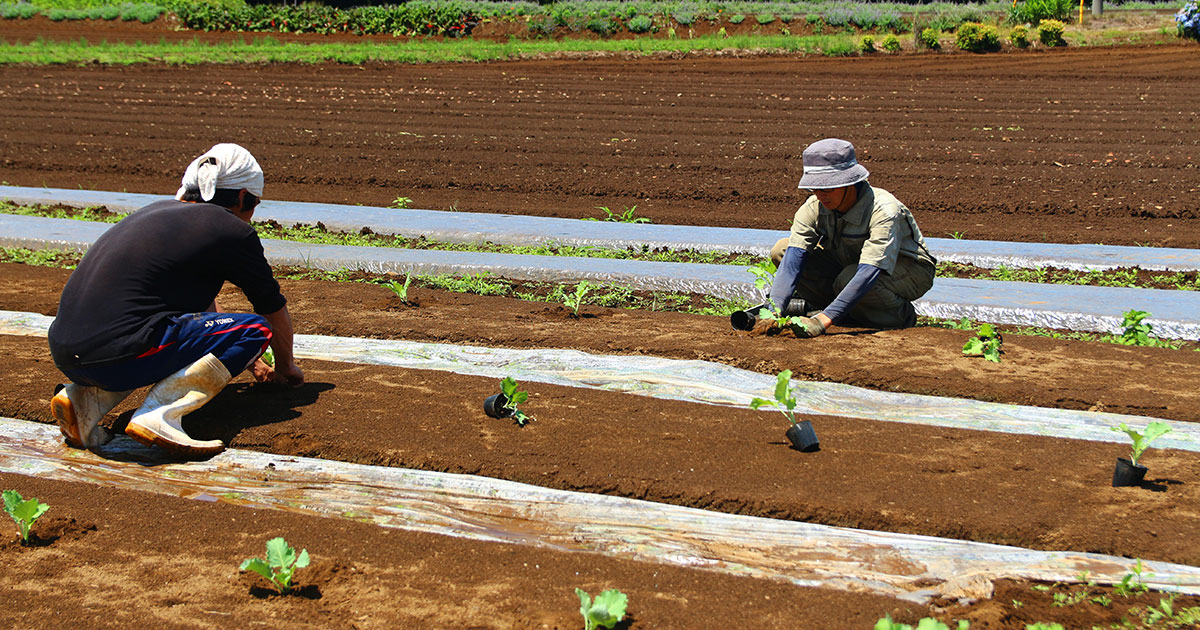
(267, 49)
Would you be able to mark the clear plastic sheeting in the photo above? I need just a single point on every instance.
(473, 227)
(1174, 314)
(704, 382)
(910, 567)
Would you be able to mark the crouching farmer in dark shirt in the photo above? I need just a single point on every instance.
(141, 310)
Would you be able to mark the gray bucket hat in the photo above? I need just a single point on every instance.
(830, 163)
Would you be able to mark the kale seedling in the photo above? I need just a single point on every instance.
(515, 396)
(607, 611)
(280, 565)
(23, 511)
(928, 623)
(401, 290)
(268, 357)
(1142, 441)
(764, 275)
(1136, 331)
(986, 344)
(785, 398)
(1133, 583)
(574, 301)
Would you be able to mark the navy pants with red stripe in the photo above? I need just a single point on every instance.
(237, 339)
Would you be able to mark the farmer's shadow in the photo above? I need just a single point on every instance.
(244, 405)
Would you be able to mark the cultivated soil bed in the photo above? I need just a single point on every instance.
(1071, 145)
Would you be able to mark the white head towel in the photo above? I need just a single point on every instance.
(225, 165)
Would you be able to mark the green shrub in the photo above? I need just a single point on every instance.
(603, 26)
(812, 18)
(737, 18)
(976, 37)
(891, 43)
(1019, 36)
(684, 17)
(866, 44)
(640, 23)
(928, 38)
(18, 11)
(765, 18)
(1034, 11)
(1050, 33)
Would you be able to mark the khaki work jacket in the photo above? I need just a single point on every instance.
(876, 231)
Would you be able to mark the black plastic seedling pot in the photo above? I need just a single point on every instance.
(745, 320)
(803, 437)
(1127, 473)
(496, 406)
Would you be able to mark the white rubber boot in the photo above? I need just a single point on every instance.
(78, 409)
(159, 421)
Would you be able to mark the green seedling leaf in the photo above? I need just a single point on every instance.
(927, 623)
(606, 612)
(23, 511)
(575, 300)
(280, 565)
(401, 290)
(785, 398)
(268, 357)
(986, 344)
(1141, 442)
(764, 274)
(515, 396)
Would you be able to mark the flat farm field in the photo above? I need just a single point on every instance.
(1070, 146)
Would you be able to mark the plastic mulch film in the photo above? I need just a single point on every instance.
(1174, 314)
(473, 227)
(910, 567)
(704, 382)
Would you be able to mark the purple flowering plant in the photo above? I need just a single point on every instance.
(1188, 20)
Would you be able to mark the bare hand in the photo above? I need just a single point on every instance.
(262, 372)
(290, 375)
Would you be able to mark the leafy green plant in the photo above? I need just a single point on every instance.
(928, 623)
(575, 300)
(1135, 330)
(1141, 441)
(929, 39)
(280, 564)
(400, 203)
(1050, 33)
(737, 18)
(1019, 36)
(764, 274)
(640, 24)
(986, 344)
(268, 357)
(1034, 11)
(625, 217)
(785, 397)
(401, 290)
(866, 44)
(1044, 626)
(515, 396)
(764, 18)
(890, 43)
(1132, 583)
(976, 37)
(605, 612)
(23, 511)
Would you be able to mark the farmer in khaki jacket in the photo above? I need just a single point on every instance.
(855, 254)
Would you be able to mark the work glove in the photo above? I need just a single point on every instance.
(808, 326)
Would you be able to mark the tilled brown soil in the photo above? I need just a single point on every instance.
(875, 475)
(1075, 145)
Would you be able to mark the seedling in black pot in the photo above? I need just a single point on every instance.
(504, 404)
(800, 434)
(1128, 472)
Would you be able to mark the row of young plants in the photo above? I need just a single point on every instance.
(319, 234)
(281, 562)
